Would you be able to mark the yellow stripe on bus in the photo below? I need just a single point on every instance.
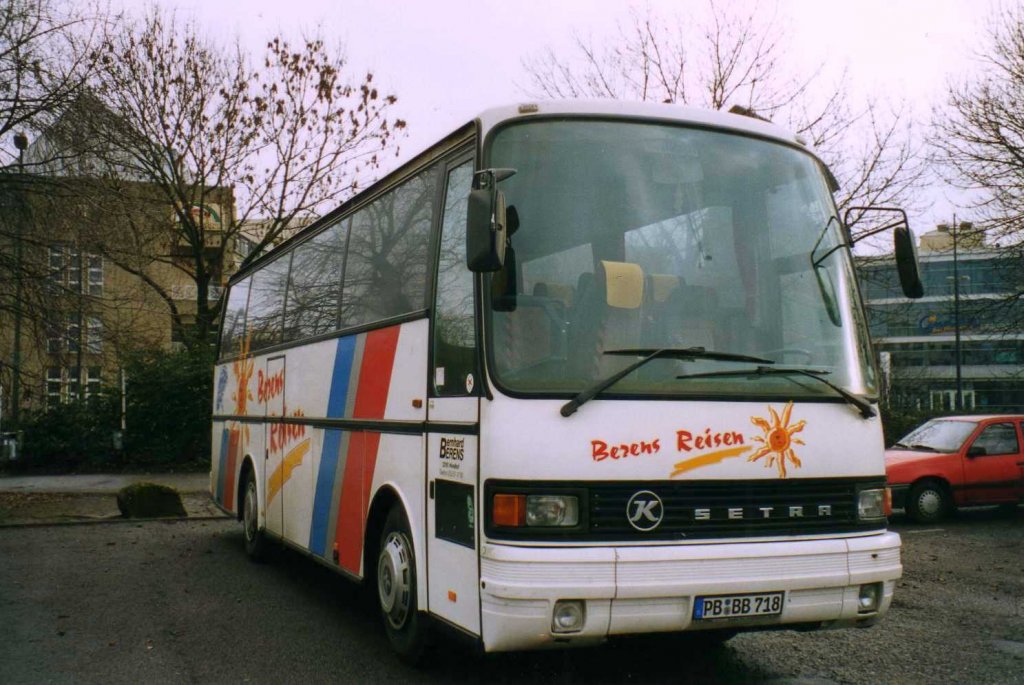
(283, 472)
(708, 459)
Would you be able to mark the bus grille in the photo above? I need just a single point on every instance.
(726, 509)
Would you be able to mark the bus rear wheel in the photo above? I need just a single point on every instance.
(255, 542)
(396, 588)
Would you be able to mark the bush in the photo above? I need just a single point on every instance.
(168, 408)
(70, 436)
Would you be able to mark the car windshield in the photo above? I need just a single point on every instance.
(939, 435)
(642, 236)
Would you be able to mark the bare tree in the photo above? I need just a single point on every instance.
(47, 52)
(739, 59)
(979, 138)
(197, 127)
(979, 135)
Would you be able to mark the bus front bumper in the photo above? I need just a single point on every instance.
(646, 589)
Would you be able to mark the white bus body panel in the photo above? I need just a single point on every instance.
(648, 587)
(324, 476)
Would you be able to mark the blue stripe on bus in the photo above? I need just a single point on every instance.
(222, 464)
(331, 445)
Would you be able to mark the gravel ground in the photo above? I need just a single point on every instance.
(178, 602)
(957, 616)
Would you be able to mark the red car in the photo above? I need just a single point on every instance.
(957, 460)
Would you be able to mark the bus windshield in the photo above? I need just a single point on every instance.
(641, 236)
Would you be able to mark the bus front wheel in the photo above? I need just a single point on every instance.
(396, 588)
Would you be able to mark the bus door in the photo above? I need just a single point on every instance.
(452, 423)
(270, 390)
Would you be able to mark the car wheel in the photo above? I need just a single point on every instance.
(396, 588)
(255, 541)
(927, 502)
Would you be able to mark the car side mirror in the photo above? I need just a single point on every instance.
(976, 451)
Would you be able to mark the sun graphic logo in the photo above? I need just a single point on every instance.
(777, 441)
(243, 368)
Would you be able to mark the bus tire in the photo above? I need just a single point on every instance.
(928, 502)
(700, 641)
(396, 588)
(255, 540)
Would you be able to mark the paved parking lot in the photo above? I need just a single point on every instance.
(179, 602)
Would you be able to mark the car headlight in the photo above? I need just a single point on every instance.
(535, 511)
(871, 504)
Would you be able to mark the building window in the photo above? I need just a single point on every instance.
(65, 384)
(66, 264)
(93, 382)
(95, 275)
(94, 335)
(74, 332)
(54, 338)
(53, 387)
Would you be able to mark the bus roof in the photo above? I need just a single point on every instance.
(599, 108)
(637, 110)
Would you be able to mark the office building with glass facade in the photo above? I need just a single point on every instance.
(972, 293)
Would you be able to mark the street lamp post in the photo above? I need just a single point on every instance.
(20, 142)
(956, 320)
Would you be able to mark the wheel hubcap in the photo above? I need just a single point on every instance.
(249, 511)
(394, 579)
(929, 502)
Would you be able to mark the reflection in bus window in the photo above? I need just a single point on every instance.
(454, 328)
(386, 268)
(234, 318)
(263, 323)
(315, 284)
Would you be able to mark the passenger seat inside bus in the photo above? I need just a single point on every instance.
(687, 318)
(608, 315)
(532, 332)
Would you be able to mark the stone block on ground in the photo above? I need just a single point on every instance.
(149, 500)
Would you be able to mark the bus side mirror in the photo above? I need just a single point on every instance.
(906, 262)
(904, 247)
(487, 222)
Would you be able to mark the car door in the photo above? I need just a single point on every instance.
(992, 465)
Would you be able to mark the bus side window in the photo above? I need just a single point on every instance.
(454, 325)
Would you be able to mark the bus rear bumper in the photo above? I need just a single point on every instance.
(644, 589)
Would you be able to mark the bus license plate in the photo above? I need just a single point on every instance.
(734, 606)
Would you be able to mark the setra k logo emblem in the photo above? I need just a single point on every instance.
(644, 510)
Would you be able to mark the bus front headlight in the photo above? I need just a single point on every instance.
(552, 510)
(535, 511)
(871, 504)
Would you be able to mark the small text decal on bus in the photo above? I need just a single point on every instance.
(453, 448)
(452, 452)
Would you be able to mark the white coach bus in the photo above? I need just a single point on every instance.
(579, 370)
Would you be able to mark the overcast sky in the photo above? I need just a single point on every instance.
(448, 59)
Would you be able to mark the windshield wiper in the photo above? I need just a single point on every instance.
(647, 354)
(862, 404)
(925, 448)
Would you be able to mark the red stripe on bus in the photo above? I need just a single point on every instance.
(371, 400)
(234, 440)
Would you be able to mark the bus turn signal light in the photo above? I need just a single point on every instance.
(509, 510)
